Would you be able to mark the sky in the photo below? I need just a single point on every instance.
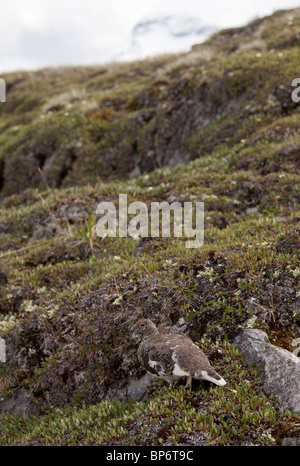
(41, 33)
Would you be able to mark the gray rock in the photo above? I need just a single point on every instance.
(129, 389)
(47, 230)
(137, 388)
(135, 172)
(2, 350)
(171, 199)
(279, 368)
(74, 213)
(20, 404)
(290, 442)
(251, 210)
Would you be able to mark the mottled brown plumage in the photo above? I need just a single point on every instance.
(172, 356)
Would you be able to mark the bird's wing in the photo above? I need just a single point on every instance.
(189, 357)
(156, 357)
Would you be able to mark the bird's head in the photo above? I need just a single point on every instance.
(144, 328)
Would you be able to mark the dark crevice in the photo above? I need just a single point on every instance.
(134, 146)
(41, 158)
(2, 165)
(67, 167)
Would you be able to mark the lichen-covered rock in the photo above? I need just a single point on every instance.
(20, 404)
(137, 388)
(279, 368)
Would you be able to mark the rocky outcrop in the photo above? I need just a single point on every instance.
(125, 120)
(279, 368)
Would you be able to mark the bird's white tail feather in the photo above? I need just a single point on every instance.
(214, 378)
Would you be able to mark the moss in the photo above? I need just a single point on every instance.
(165, 417)
(68, 298)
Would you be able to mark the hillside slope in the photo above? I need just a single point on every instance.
(82, 124)
(216, 125)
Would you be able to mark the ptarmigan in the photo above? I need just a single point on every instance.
(173, 356)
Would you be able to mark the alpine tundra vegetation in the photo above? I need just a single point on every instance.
(216, 125)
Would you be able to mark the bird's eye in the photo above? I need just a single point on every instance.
(142, 324)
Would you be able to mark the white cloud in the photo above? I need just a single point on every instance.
(39, 33)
